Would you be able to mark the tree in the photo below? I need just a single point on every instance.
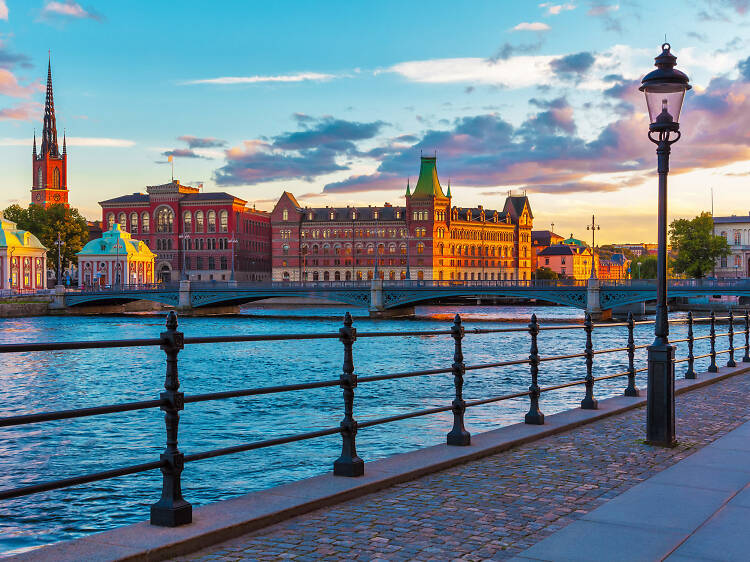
(695, 245)
(647, 269)
(45, 224)
(545, 273)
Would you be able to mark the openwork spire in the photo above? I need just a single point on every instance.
(49, 133)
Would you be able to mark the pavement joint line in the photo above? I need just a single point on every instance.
(141, 541)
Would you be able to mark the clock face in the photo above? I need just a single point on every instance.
(57, 197)
(37, 196)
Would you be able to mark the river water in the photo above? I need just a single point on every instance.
(46, 381)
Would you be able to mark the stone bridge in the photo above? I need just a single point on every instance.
(380, 297)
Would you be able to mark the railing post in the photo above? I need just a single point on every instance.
(690, 373)
(458, 435)
(589, 402)
(348, 464)
(712, 368)
(731, 362)
(746, 358)
(172, 509)
(535, 416)
(631, 389)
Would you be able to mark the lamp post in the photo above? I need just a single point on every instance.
(59, 243)
(593, 227)
(185, 237)
(664, 89)
(232, 241)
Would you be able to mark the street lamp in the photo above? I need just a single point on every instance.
(185, 237)
(593, 227)
(665, 90)
(59, 243)
(233, 241)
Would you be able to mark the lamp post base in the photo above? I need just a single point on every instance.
(660, 401)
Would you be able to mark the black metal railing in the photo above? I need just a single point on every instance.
(172, 509)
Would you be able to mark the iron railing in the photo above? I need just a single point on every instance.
(172, 509)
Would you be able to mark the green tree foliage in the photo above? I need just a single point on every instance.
(695, 245)
(545, 273)
(647, 269)
(45, 225)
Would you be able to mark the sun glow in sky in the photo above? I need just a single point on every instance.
(335, 100)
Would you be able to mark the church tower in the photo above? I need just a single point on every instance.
(49, 167)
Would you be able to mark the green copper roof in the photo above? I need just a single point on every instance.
(574, 242)
(116, 242)
(428, 184)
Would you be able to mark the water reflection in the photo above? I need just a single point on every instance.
(73, 379)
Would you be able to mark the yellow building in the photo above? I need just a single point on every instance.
(570, 259)
(23, 258)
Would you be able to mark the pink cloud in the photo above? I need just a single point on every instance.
(9, 86)
(21, 112)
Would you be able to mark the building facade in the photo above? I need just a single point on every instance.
(427, 239)
(541, 239)
(195, 235)
(23, 258)
(115, 258)
(736, 230)
(49, 167)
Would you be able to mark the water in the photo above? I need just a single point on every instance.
(47, 381)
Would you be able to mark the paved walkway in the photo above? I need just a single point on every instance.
(499, 506)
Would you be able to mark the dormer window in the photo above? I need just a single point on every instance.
(398, 214)
(310, 215)
(375, 215)
(332, 215)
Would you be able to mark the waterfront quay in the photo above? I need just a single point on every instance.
(468, 380)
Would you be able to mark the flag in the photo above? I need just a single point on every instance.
(170, 158)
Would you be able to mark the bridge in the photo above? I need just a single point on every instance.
(389, 297)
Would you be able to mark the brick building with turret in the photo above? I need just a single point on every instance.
(427, 239)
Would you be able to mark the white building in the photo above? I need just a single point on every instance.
(736, 230)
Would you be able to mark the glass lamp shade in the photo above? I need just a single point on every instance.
(665, 90)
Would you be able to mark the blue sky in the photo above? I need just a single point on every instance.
(334, 101)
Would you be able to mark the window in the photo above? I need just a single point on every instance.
(199, 262)
(420, 248)
(199, 221)
(223, 221)
(123, 221)
(285, 215)
(223, 260)
(187, 221)
(56, 178)
(285, 249)
(134, 222)
(110, 221)
(211, 219)
(724, 261)
(145, 223)
(164, 219)
(211, 262)
(39, 178)
(737, 237)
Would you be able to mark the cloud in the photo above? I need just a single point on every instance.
(3, 10)
(9, 59)
(571, 66)
(507, 50)
(75, 141)
(69, 9)
(555, 9)
(10, 87)
(280, 78)
(531, 26)
(182, 153)
(605, 12)
(21, 112)
(315, 149)
(202, 142)
(702, 37)
(744, 68)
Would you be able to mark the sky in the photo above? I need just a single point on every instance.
(335, 101)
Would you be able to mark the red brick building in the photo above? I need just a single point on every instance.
(426, 239)
(49, 167)
(195, 234)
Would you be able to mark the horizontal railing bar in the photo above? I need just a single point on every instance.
(562, 385)
(560, 357)
(56, 346)
(261, 444)
(702, 356)
(497, 398)
(76, 480)
(259, 391)
(372, 378)
(398, 417)
(498, 364)
(78, 413)
(612, 350)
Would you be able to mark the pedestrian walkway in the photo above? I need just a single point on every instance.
(500, 506)
(698, 509)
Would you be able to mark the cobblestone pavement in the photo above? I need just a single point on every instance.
(496, 507)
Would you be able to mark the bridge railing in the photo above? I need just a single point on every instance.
(125, 287)
(172, 509)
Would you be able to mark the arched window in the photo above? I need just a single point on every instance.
(134, 223)
(199, 221)
(326, 276)
(420, 248)
(187, 221)
(145, 222)
(39, 178)
(164, 219)
(110, 221)
(223, 221)
(737, 237)
(56, 178)
(122, 219)
(211, 219)
(337, 276)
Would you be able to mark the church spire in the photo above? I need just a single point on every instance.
(65, 148)
(49, 133)
(34, 143)
(408, 189)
